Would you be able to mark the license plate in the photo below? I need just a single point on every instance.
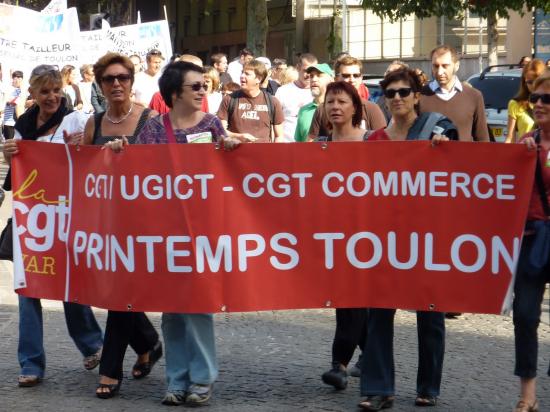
(497, 131)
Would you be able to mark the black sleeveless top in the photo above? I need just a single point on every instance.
(99, 139)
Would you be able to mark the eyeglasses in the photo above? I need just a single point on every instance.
(42, 69)
(545, 97)
(110, 79)
(403, 92)
(349, 75)
(197, 86)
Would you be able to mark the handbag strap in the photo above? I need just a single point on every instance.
(169, 129)
(539, 180)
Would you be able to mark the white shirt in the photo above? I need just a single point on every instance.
(234, 69)
(145, 86)
(444, 94)
(292, 99)
(86, 96)
(73, 122)
(214, 101)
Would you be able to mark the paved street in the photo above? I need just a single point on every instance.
(272, 361)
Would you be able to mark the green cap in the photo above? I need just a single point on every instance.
(321, 67)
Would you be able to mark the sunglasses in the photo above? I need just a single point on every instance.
(197, 86)
(42, 69)
(349, 76)
(110, 79)
(403, 92)
(544, 97)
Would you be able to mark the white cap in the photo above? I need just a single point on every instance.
(265, 61)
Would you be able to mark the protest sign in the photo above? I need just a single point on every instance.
(29, 38)
(192, 228)
(132, 39)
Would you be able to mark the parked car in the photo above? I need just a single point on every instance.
(373, 84)
(498, 84)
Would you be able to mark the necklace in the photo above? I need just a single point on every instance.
(122, 118)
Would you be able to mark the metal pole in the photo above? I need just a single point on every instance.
(344, 25)
(480, 45)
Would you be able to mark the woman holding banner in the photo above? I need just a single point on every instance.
(191, 365)
(533, 270)
(49, 120)
(115, 75)
(344, 110)
(401, 90)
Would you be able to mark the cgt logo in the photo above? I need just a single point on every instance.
(45, 223)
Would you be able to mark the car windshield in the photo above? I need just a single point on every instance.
(497, 91)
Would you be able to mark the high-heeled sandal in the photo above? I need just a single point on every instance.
(523, 406)
(113, 389)
(144, 368)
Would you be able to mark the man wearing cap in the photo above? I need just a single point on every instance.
(320, 75)
(295, 95)
(146, 83)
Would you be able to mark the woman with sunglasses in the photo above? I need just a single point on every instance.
(401, 90)
(520, 111)
(49, 120)
(191, 365)
(115, 75)
(533, 270)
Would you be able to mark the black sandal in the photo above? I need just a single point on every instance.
(114, 388)
(145, 368)
(377, 402)
(422, 400)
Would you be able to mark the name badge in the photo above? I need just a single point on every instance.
(203, 137)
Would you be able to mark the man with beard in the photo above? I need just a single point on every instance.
(446, 95)
(319, 76)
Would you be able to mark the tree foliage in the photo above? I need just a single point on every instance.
(397, 9)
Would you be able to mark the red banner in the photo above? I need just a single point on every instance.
(190, 228)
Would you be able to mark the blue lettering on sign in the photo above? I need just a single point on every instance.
(51, 23)
(149, 31)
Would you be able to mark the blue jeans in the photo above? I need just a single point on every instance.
(528, 295)
(81, 323)
(378, 368)
(190, 350)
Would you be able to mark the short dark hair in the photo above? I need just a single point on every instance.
(17, 73)
(278, 62)
(172, 78)
(216, 58)
(351, 91)
(404, 74)
(246, 52)
(306, 57)
(445, 48)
